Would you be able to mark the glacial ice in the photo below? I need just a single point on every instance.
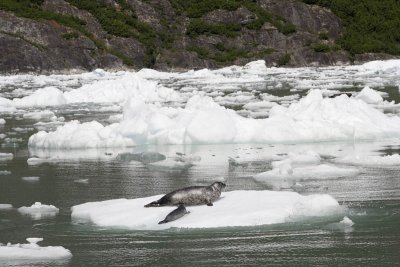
(202, 121)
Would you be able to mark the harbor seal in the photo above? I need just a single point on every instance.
(175, 214)
(193, 195)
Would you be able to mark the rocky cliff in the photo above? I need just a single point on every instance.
(62, 35)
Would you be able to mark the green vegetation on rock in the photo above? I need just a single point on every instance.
(195, 9)
(371, 26)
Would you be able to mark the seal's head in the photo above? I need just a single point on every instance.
(218, 186)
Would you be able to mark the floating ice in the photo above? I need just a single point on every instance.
(49, 96)
(81, 181)
(321, 171)
(32, 251)
(129, 85)
(31, 179)
(6, 206)
(312, 119)
(5, 172)
(38, 161)
(365, 160)
(2, 121)
(39, 211)
(370, 96)
(6, 105)
(6, 156)
(344, 225)
(235, 208)
(45, 115)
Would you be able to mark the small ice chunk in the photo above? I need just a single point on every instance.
(44, 115)
(6, 206)
(32, 251)
(6, 156)
(2, 121)
(81, 181)
(38, 161)
(34, 240)
(38, 211)
(30, 179)
(370, 96)
(5, 172)
(346, 222)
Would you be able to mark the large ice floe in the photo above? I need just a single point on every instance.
(202, 121)
(235, 208)
(32, 251)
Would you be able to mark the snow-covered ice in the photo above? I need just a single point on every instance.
(235, 208)
(32, 251)
(39, 211)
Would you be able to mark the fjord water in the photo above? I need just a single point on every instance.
(371, 198)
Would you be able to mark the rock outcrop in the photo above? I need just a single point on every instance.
(45, 45)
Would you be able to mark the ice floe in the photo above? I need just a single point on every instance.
(6, 206)
(2, 121)
(39, 211)
(235, 208)
(32, 251)
(30, 178)
(6, 156)
(322, 171)
(369, 160)
(44, 115)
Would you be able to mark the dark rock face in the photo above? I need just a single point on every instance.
(27, 45)
(44, 46)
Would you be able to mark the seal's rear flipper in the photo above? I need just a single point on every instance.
(152, 204)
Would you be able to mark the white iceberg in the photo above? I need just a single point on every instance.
(32, 251)
(235, 208)
(202, 121)
(370, 96)
(39, 211)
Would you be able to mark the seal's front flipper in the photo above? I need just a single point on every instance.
(210, 204)
(163, 221)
